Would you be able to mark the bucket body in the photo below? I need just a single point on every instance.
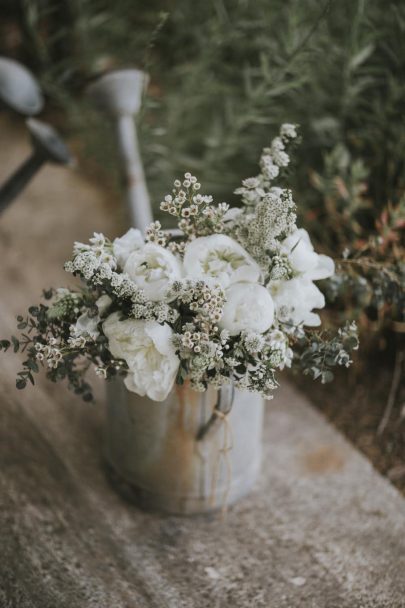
(153, 450)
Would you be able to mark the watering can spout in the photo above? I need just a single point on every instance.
(119, 94)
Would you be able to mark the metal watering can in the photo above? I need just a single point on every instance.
(193, 452)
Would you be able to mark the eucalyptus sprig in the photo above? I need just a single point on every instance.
(319, 352)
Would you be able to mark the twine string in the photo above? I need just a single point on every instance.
(223, 453)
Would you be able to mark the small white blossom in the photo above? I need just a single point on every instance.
(101, 372)
(288, 130)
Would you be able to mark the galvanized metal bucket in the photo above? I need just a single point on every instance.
(154, 452)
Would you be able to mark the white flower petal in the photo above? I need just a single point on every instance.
(221, 258)
(127, 244)
(161, 336)
(295, 299)
(303, 259)
(232, 214)
(153, 268)
(324, 269)
(299, 249)
(249, 307)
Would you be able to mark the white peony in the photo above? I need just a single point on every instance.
(153, 268)
(295, 299)
(221, 258)
(148, 351)
(303, 259)
(248, 307)
(127, 244)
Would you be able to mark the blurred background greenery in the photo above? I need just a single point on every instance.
(224, 74)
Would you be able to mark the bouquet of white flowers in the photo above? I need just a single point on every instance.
(227, 297)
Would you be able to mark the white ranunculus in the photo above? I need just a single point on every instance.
(303, 259)
(221, 258)
(248, 307)
(153, 268)
(127, 244)
(295, 299)
(147, 348)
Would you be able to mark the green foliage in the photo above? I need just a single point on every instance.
(41, 329)
(225, 72)
(322, 351)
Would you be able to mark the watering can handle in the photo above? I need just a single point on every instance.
(222, 407)
(20, 178)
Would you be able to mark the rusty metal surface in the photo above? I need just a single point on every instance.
(321, 530)
(154, 448)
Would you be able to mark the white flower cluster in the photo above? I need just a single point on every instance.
(99, 247)
(64, 303)
(155, 234)
(266, 227)
(220, 300)
(49, 353)
(204, 299)
(269, 212)
(273, 159)
(201, 351)
(184, 200)
(196, 214)
(280, 349)
(274, 217)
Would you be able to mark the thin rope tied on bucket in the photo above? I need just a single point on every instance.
(223, 452)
